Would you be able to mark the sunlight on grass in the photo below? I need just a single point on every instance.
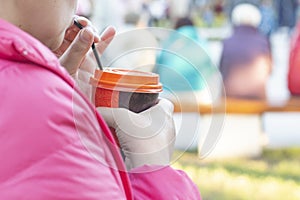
(269, 177)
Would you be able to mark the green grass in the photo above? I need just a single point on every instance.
(273, 176)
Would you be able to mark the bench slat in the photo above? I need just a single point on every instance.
(238, 106)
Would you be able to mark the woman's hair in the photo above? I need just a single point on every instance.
(184, 21)
(246, 14)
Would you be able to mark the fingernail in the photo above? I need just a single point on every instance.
(96, 38)
(86, 35)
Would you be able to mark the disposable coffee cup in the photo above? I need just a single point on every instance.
(122, 88)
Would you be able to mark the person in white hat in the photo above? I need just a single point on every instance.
(246, 58)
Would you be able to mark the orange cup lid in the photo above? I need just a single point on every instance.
(127, 80)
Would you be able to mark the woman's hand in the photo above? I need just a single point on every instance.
(75, 53)
(76, 47)
(146, 138)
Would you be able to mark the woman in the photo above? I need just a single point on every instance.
(246, 59)
(55, 145)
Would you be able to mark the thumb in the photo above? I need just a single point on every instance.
(76, 52)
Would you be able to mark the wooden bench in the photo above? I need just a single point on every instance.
(243, 133)
(239, 106)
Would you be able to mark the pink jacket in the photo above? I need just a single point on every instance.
(54, 145)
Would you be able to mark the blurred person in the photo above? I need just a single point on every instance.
(218, 7)
(246, 60)
(208, 15)
(157, 10)
(286, 13)
(294, 63)
(184, 65)
(56, 145)
(230, 4)
(179, 8)
(268, 21)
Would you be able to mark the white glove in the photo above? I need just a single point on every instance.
(146, 138)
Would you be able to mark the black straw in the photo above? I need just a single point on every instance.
(93, 46)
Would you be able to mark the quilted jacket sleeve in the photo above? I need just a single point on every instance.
(166, 183)
(54, 146)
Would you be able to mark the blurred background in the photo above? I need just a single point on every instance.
(253, 48)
